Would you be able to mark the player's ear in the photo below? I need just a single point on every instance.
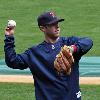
(42, 28)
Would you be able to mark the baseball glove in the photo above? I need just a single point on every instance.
(64, 60)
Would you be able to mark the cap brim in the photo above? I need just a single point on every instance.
(55, 21)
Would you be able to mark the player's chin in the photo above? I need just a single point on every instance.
(56, 34)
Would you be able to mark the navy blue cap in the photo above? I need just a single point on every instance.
(48, 18)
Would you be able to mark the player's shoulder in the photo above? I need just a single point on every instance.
(69, 39)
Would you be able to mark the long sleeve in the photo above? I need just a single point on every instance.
(13, 60)
(83, 45)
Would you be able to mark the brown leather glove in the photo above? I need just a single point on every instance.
(64, 60)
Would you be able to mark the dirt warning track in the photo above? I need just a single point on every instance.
(29, 79)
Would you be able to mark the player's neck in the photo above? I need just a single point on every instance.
(51, 40)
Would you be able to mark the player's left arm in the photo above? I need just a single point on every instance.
(68, 54)
(84, 44)
(80, 46)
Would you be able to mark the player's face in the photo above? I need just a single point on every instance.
(52, 30)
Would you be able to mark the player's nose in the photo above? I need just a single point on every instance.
(57, 25)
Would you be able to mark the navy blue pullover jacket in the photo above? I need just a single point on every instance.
(40, 60)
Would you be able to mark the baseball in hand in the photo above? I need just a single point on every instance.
(11, 24)
(10, 27)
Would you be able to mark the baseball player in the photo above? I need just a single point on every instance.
(54, 63)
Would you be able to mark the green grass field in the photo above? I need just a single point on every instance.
(15, 91)
(82, 18)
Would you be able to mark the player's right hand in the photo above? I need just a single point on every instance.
(9, 31)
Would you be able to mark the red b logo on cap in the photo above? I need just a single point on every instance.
(52, 14)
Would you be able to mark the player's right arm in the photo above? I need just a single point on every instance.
(13, 60)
